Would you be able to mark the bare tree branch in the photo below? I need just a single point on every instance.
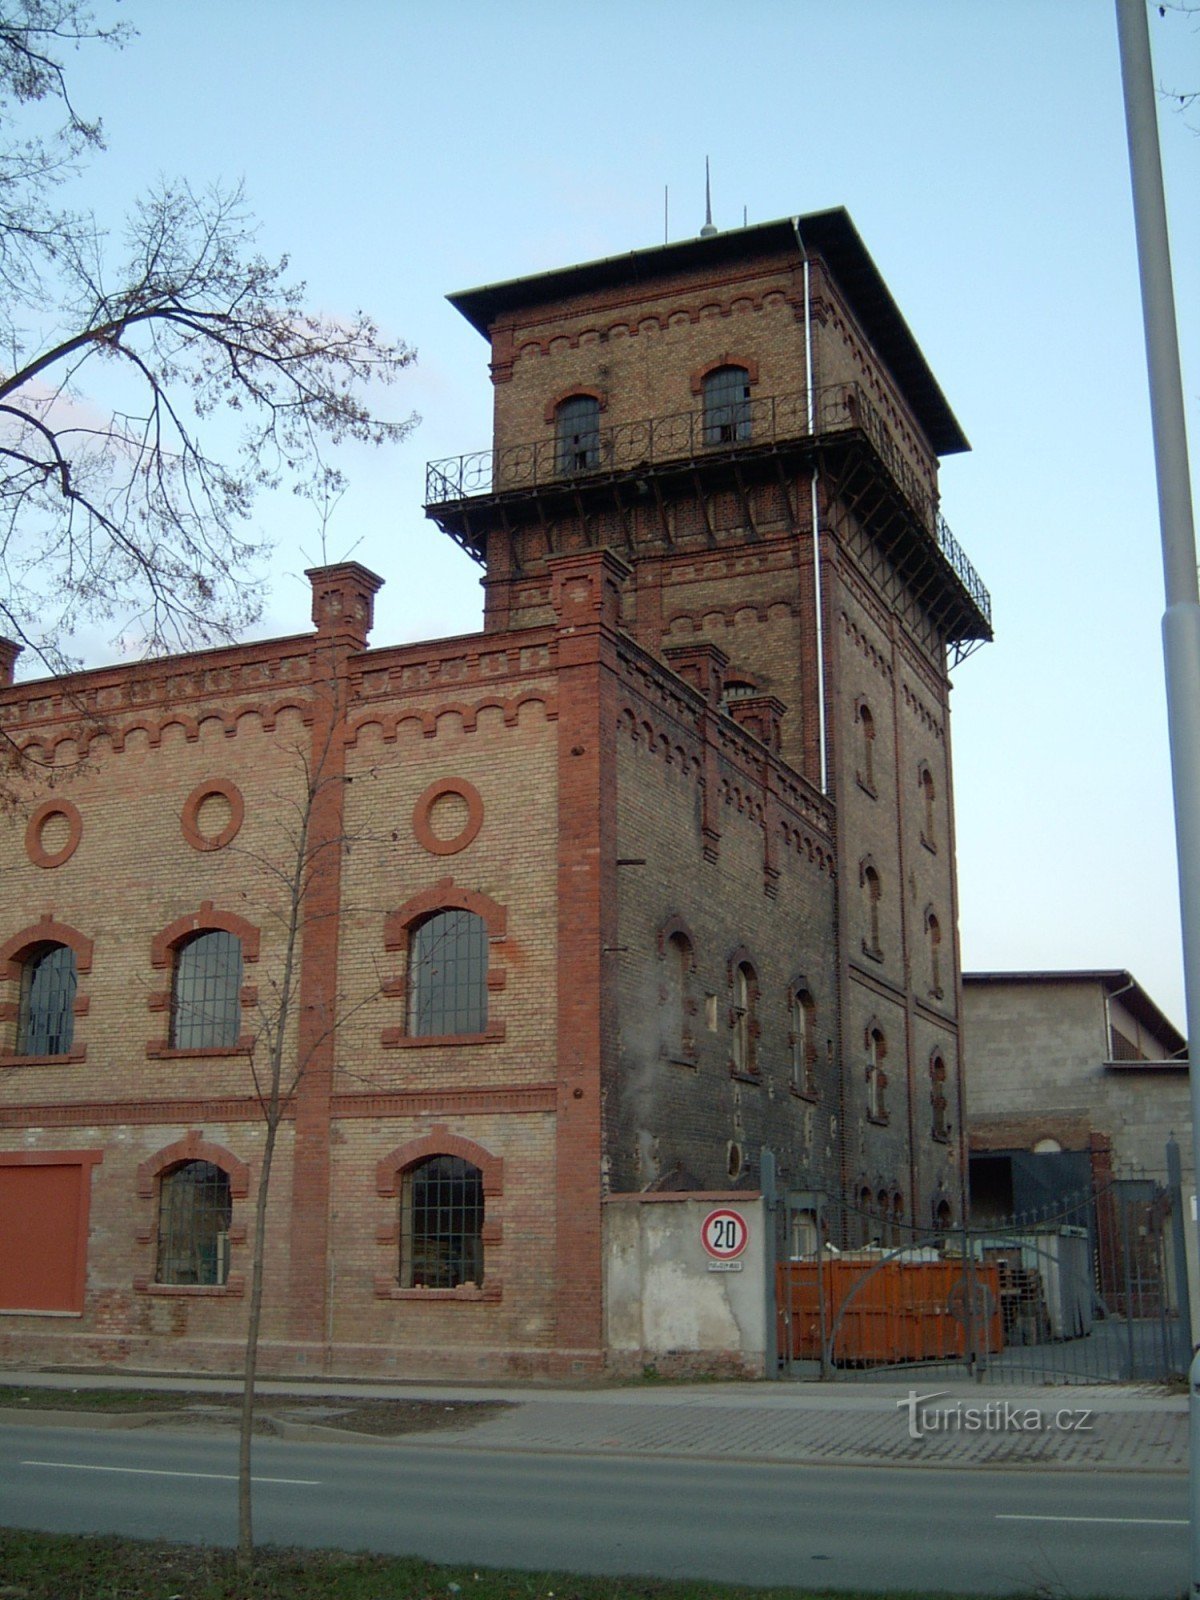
(123, 496)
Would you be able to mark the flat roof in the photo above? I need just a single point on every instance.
(1117, 983)
(829, 234)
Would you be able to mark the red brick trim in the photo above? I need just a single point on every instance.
(33, 833)
(423, 808)
(439, 1142)
(234, 1288)
(600, 396)
(47, 931)
(188, 819)
(748, 364)
(447, 1101)
(208, 919)
(445, 895)
(51, 1158)
(193, 1147)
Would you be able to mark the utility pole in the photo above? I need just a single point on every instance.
(1181, 619)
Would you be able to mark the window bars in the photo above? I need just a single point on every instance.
(447, 975)
(46, 1022)
(441, 1224)
(194, 1211)
(206, 1012)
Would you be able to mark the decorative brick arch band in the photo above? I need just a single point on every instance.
(207, 920)
(189, 817)
(600, 396)
(423, 812)
(440, 1142)
(47, 931)
(35, 850)
(747, 364)
(193, 1147)
(445, 895)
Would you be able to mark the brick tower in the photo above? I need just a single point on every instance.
(746, 423)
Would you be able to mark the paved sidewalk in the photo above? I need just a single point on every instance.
(965, 1425)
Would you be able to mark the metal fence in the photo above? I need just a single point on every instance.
(1089, 1290)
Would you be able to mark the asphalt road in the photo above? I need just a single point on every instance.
(912, 1528)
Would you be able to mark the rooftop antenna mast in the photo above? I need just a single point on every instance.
(707, 231)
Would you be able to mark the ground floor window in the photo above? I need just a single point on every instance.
(441, 1224)
(194, 1211)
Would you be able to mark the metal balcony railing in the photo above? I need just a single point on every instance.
(727, 431)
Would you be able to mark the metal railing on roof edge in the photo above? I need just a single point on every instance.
(699, 435)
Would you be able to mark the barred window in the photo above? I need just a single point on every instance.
(441, 1224)
(206, 1011)
(46, 1017)
(447, 975)
(727, 406)
(194, 1211)
(577, 434)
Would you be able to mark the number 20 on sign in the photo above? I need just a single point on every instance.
(724, 1235)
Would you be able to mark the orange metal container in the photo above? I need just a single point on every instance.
(886, 1311)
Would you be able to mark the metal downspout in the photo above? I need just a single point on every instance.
(818, 600)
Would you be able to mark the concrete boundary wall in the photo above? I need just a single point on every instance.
(672, 1307)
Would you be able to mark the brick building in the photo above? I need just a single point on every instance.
(653, 873)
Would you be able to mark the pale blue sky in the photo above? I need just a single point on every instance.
(399, 151)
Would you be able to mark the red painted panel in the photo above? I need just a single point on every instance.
(39, 1237)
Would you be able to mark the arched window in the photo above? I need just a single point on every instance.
(447, 975)
(46, 1016)
(928, 797)
(866, 1206)
(804, 1042)
(194, 1210)
(727, 406)
(441, 1224)
(866, 747)
(876, 1076)
(937, 1096)
(885, 1217)
(744, 1020)
(679, 1038)
(206, 988)
(897, 1218)
(872, 893)
(577, 434)
(933, 929)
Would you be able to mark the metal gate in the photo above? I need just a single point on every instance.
(1092, 1289)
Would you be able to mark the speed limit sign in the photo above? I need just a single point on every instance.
(724, 1234)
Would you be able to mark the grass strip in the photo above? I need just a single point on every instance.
(48, 1566)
